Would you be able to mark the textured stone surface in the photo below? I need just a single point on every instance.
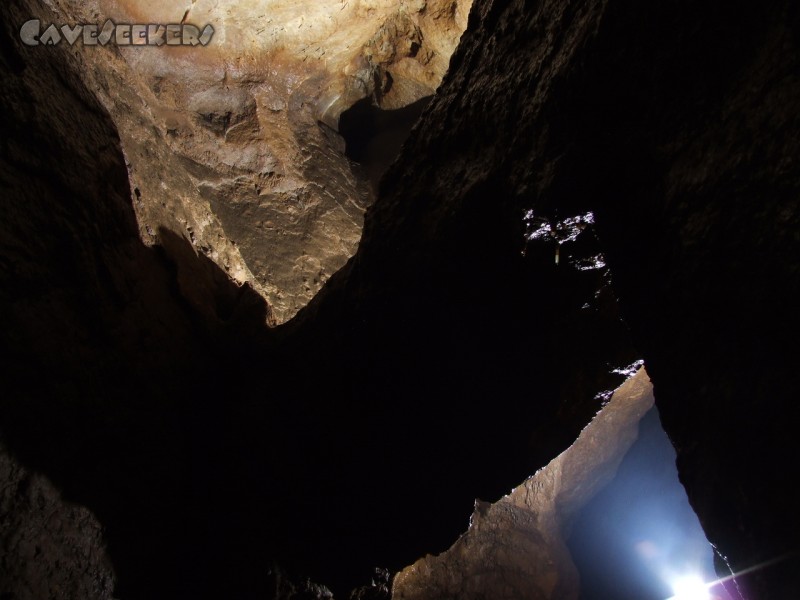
(99, 332)
(679, 137)
(82, 294)
(224, 144)
(49, 548)
(515, 548)
(451, 357)
(374, 401)
(673, 122)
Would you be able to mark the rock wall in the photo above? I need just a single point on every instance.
(467, 342)
(225, 144)
(101, 336)
(515, 548)
(672, 123)
(50, 548)
(312, 444)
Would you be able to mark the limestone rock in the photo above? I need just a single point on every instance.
(515, 548)
(49, 548)
(449, 357)
(224, 144)
(222, 109)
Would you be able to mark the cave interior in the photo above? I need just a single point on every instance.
(284, 314)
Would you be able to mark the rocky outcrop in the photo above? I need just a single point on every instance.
(224, 143)
(453, 355)
(49, 548)
(516, 548)
(334, 429)
(671, 122)
(83, 296)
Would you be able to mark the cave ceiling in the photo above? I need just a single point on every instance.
(239, 131)
(231, 349)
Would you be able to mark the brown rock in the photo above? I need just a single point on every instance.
(223, 142)
(49, 548)
(515, 548)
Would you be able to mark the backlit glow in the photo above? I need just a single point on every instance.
(642, 529)
(690, 588)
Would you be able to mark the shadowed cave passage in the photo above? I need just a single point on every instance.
(203, 473)
(676, 137)
(374, 136)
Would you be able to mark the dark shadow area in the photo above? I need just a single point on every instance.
(146, 386)
(467, 364)
(375, 136)
(116, 356)
(441, 364)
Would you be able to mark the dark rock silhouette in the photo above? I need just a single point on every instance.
(441, 364)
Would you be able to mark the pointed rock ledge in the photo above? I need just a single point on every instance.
(515, 548)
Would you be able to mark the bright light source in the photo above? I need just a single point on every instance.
(690, 588)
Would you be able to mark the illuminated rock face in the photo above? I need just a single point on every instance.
(226, 144)
(450, 358)
(516, 548)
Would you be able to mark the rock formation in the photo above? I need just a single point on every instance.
(50, 549)
(152, 201)
(515, 548)
(224, 146)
